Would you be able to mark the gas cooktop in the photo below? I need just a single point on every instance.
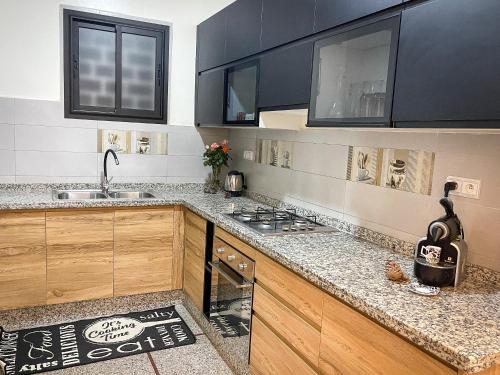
(271, 222)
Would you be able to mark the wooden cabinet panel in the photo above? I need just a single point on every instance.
(285, 76)
(284, 21)
(242, 247)
(143, 251)
(442, 77)
(79, 255)
(295, 291)
(22, 260)
(297, 333)
(271, 356)
(194, 257)
(331, 13)
(353, 344)
(178, 248)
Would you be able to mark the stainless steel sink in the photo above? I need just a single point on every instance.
(79, 194)
(130, 194)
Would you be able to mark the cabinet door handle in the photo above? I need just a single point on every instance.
(221, 250)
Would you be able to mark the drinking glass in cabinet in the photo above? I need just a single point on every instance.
(353, 71)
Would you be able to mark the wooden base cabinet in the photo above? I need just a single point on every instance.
(22, 260)
(195, 232)
(270, 355)
(79, 255)
(353, 344)
(143, 249)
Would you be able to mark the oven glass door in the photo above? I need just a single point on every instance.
(230, 309)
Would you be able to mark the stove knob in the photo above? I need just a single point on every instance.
(220, 250)
(242, 266)
(230, 258)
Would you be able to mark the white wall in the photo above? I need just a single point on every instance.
(30, 45)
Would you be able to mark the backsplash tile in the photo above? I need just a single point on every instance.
(37, 144)
(324, 177)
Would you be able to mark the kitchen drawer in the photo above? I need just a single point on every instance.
(306, 299)
(297, 333)
(269, 355)
(353, 344)
(225, 251)
(235, 242)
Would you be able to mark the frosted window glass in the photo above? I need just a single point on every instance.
(97, 68)
(138, 72)
(241, 92)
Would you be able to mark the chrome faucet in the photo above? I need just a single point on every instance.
(105, 182)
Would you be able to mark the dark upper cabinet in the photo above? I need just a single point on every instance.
(243, 29)
(331, 13)
(241, 93)
(285, 76)
(448, 63)
(211, 41)
(210, 98)
(286, 20)
(353, 75)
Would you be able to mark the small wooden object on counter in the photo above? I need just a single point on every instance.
(195, 229)
(22, 259)
(143, 250)
(79, 255)
(394, 272)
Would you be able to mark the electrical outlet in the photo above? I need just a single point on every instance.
(467, 187)
(248, 155)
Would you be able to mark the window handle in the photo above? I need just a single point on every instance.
(75, 66)
(159, 75)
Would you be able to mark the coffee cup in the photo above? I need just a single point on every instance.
(431, 253)
(363, 174)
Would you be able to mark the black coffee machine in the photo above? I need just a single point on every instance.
(447, 234)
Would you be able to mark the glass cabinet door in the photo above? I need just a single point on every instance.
(241, 94)
(353, 76)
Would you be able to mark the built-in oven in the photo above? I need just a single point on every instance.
(228, 297)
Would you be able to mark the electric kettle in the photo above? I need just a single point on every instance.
(235, 183)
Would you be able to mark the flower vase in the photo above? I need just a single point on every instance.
(212, 185)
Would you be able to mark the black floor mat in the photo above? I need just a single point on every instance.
(35, 350)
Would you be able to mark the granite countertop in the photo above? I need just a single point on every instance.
(460, 326)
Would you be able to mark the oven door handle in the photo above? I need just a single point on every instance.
(228, 277)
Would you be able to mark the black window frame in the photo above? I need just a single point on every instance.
(72, 20)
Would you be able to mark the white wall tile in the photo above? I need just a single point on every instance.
(38, 163)
(322, 159)
(119, 125)
(476, 166)
(134, 165)
(6, 111)
(46, 112)
(7, 179)
(400, 210)
(7, 137)
(56, 179)
(186, 166)
(323, 191)
(51, 138)
(185, 180)
(470, 143)
(185, 143)
(7, 163)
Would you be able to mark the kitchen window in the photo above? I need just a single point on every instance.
(115, 69)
